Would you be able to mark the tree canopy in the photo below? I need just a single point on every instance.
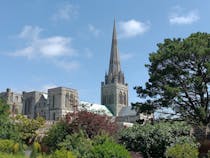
(179, 78)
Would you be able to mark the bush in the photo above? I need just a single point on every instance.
(78, 143)
(92, 124)
(185, 150)
(7, 145)
(7, 155)
(63, 154)
(55, 135)
(105, 147)
(153, 140)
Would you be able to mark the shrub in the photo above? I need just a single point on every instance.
(62, 153)
(55, 135)
(7, 155)
(6, 145)
(78, 143)
(185, 150)
(153, 140)
(92, 124)
(105, 147)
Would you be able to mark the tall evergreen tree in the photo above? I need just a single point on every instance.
(179, 77)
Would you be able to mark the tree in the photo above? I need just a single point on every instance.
(179, 78)
(7, 129)
(153, 140)
(56, 135)
(185, 150)
(27, 127)
(92, 124)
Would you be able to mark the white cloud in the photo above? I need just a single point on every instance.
(49, 47)
(65, 12)
(94, 30)
(126, 56)
(132, 28)
(67, 65)
(178, 17)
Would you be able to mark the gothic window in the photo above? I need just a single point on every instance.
(125, 99)
(72, 102)
(67, 100)
(53, 101)
(121, 98)
(54, 116)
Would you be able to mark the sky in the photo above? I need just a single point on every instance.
(50, 43)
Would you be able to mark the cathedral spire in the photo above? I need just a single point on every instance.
(114, 64)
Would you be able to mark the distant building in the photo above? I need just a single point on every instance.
(14, 100)
(35, 104)
(114, 91)
(61, 101)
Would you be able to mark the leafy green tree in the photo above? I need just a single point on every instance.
(7, 129)
(56, 135)
(78, 143)
(27, 127)
(153, 140)
(106, 147)
(179, 78)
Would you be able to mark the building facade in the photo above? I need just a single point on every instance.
(114, 90)
(35, 104)
(61, 101)
(14, 100)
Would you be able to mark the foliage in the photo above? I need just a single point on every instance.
(105, 147)
(92, 124)
(36, 149)
(63, 154)
(7, 128)
(152, 140)
(27, 127)
(89, 123)
(6, 145)
(179, 78)
(78, 144)
(7, 155)
(56, 135)
(9, 146)
(185, 150)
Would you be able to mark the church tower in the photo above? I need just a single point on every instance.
(114, 91)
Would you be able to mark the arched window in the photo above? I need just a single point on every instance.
(125, 99)
(67, 100)
(121, 98)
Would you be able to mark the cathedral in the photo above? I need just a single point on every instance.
(114, 91)
(58, 101)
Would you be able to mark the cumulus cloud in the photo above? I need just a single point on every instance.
(37, 46)
(56, 49)
(65, 12)
(132, 28)
(177, 16)
(94, 30)
(67, 65)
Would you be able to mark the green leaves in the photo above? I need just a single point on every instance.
(153, 140)
(179, 77)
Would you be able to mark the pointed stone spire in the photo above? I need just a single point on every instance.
(114, 64)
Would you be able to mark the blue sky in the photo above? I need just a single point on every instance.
(48, 43)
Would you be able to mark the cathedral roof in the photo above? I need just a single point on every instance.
(127, 111)
(96, 108)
